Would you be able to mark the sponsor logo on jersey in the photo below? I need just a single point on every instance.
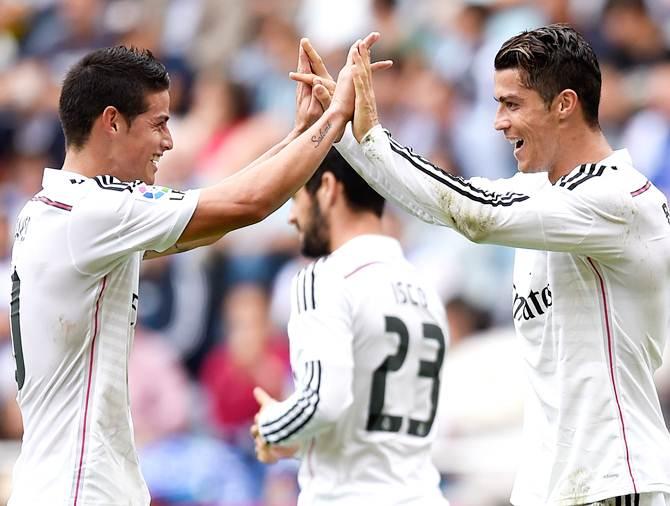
(535, 304)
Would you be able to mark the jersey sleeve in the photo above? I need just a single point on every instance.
(122, 218)
(584, 218)
(320, 333)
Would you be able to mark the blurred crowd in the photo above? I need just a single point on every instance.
(212, 321)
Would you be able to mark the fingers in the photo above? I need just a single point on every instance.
(323, 95)
(303, 60)
(353, 49)
(261, 396)
(315, 60)
(370, 40)
(303, 77)
(381, 65)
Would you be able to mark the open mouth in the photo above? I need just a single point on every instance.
(154, 160)
(517, 142)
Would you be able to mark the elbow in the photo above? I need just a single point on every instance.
(475, 227)
(254, 207)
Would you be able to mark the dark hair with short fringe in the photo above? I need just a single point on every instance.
(359, 195)
(114, 76)
(554, 58)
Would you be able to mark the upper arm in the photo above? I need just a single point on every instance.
(321, 321)
(110, 223)
(590, 220)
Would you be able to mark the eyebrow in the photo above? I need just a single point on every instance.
(507, 98)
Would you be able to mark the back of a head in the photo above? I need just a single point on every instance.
(360, 197)
(554, 58)
(114, 76)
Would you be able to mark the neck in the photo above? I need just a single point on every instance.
(352, 225)
(84, 161)
(579, 146)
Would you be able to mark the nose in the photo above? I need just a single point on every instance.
(501, 121)
(167, 143)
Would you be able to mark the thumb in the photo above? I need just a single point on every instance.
(261, 396)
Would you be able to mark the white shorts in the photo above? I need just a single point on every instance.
(650, 499)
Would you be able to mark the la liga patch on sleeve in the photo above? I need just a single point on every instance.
(158, 192)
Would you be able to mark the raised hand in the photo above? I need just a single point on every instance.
(319, 75)
(365, 108)
(309, 97)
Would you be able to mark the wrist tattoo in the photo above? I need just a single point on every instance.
(317, 139)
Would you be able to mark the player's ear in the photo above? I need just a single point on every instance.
(328, 189)
(566, 102)
(111, 119)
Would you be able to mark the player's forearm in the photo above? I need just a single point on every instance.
(324, 396)
(424, 189)
(292, 135)
(253, 193)
(390, 176)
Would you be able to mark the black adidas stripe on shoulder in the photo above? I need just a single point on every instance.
(107, 182)
(304, 286)
(456, 183)
(585, 172)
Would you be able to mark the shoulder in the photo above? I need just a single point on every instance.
(589, 177)
(312, 283)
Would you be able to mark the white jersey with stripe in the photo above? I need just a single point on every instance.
(591, 308)
(368, 340)
(75, 271)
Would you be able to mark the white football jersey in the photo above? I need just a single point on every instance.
(591, 308)
(75, 271)
(368, 340)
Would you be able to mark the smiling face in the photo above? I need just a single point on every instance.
(138, 147)
(527, 122)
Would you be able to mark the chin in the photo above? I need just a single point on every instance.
(527, 168)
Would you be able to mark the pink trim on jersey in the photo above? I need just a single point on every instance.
(611, 367)
(88, 387)
(640, 191)
(52, 203)
(361, 267)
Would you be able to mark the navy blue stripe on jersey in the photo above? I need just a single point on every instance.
(52, 203)
(622, 500)
(583, 175)
(456, 183)
(107, 182)
(305, 287)
(313, 280)
(302, 411)
(296, 283)
(565, 179)
(309, 372)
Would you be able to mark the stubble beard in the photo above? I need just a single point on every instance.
(316, 241)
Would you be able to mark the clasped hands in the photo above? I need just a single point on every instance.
(352, 94)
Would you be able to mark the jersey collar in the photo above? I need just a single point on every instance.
(53, 177)
(619, 157)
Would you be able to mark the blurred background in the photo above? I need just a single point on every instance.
(212, 321)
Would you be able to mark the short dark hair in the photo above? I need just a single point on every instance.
(113, 76)
(554, 58)
(360, 197)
